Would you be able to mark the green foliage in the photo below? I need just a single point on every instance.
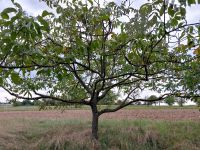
(149, 102)
(5, 12)
(152, 97)
(197, 101)
(170, 100)
(15, 78)
(1, 81)
(191, 2)
(16, 103)
(110, 99)
(67, 51)
(27, 103)
(46, 13)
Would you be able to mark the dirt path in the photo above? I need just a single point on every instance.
(157, 114)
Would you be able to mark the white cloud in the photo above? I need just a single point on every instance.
(32, 7)
(4, 95)
(193, 14)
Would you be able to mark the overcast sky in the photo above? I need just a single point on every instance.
(34, 7)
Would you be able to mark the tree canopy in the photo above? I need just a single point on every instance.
(170, 100)
(87, 51)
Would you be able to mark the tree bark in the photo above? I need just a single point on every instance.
(95, 119)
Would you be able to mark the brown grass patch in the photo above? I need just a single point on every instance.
(153, 114)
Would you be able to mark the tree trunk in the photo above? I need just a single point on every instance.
(95, 118)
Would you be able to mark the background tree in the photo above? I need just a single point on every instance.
(27, 103)
(15, 102)
(170, 100)
(88, 50)
(197, 101)
(180, 101)
(150, 98)
(109, 99)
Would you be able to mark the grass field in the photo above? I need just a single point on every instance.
(129, 129)
(36, 108)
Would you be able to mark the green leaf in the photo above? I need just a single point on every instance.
(44, 23)
(1, 81)
(158, 2)
(182, 35)
(174, 22)
(46, 13)
(191, 2)
(191, 29)
(60, 77)
(105, 17)
(59, 10)
(161, 11)
(182, 11)
(13, 35)
(9, 10)
(15, 78)
(90, 1)
(153, 20)
(146, 8)
(37, 28)
(17, 5)
(197, 51)
(4, 15)
(171, 12)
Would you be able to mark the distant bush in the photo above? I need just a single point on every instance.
(149, 102)
(16, 103)
(170, 100)
(197, 101)
(27, 103)
(37, 103)
(78, 106)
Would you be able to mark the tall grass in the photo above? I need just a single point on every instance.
(150, 135)
(61, 134)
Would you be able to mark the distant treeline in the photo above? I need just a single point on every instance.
(48, 102)
(35, 103)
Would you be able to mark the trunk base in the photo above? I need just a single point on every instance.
(95, 144)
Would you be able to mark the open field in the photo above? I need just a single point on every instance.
(128, 129)
(36, 108)
(153, 114)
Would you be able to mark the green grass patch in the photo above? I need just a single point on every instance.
(113, 134)
(149, 135)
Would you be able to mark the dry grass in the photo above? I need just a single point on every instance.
(56, 130)
(153, 114)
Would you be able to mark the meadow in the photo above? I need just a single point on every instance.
(134, 128)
